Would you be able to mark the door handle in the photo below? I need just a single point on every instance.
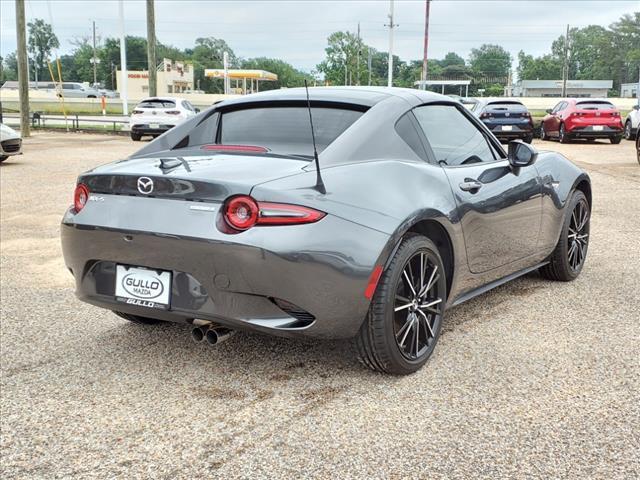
(470, 185)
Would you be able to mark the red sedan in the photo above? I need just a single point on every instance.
(582, 118)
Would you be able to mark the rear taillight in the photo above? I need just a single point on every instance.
(615, 114)
(80, 197)
(173, 112)
(243, 212)
(486, 115)
(137, 112)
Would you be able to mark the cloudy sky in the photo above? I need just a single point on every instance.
(296, 31)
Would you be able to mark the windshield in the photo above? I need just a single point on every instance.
(285, 130)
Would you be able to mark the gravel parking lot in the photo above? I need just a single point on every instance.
(534, 379)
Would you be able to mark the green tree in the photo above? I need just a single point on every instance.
(340, 66)
(451, 58)
(209, 53)
(41, 42)
(490, 60)
(546, 67)
(9, 68)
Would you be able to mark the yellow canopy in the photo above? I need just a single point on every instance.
(240, 74)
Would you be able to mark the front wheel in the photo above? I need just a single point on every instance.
(567, 259)
(135, 137)
(3, 158)
(627, 130)
(615, 140)
(543, 134)
(405, 316)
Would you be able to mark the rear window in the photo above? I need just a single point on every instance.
(157, 104)
(595, 105)
(510, 106)
(285, 129)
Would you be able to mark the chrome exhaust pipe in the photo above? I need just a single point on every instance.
(218, 335)
(198, 333)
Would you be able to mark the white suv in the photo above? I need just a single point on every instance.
(632, 123)
(155, 115)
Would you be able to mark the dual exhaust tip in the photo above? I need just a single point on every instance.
(213, 335)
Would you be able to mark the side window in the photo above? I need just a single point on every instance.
(407, 131)
(452, 136)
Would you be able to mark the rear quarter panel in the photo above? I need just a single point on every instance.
(559, 178)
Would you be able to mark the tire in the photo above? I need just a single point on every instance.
(543, 134)
(528, 138)
(562, 264)
(627, 131)
(616, 139)
(563, 137)
(137, 319)
(3, 158)
(387, 337)
(135, 137)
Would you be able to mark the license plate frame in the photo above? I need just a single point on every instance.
(507, 128)
(598, 128)
(143, 287)
(154, 126)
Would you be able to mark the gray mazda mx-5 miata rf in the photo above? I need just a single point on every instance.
(229, 222)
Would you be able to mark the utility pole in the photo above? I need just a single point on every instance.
(391, 26)
(151, 48)
(94, 60)
(123, 61)
(23, 74)
(426, 45)
(565, 68)
(358, 58)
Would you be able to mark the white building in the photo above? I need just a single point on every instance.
(553, 88)
(172, 77)
(629, 90)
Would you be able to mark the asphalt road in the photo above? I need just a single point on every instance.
(532, 380)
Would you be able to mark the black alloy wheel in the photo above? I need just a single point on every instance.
(418, 305)
(406, 312)
(578, 237)
(567, 259)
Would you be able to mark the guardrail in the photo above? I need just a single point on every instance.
(73, 122)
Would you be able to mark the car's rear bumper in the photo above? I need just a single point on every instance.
(142, 129)
(302, 280)
(590, 132)
(523, 130)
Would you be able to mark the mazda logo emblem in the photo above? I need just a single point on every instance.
(145, 185)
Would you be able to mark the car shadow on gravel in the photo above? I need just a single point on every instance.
(283, 357)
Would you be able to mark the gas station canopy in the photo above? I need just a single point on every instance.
(241, 74)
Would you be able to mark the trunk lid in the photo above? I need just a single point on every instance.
(207, 178)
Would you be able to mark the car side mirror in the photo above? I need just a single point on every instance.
(636, 107)
(197, 110)
(548, 110)
(521, 154)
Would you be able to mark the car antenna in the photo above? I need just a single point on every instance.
(319, 183)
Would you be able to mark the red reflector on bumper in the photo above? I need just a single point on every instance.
(373, 281)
